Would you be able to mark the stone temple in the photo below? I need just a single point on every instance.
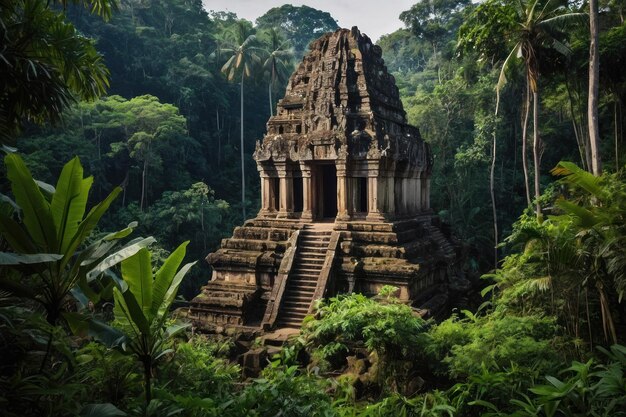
(345, 185)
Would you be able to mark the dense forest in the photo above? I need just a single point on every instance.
(128, 128)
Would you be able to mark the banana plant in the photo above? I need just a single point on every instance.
(142, 301)
(52, 250)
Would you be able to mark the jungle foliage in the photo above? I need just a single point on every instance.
(86, 327)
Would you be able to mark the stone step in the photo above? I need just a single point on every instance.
(305, 269)
(305, 298)
(296, 324)
(294, 313)
(303, 287)
(317, 262)
(305, 282)
(304, 273)
(315, 237)
(312, 254)
(296, 305)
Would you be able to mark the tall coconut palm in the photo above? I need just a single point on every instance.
(277, 62)
(244, 56)
(594, 80)
(539, 27)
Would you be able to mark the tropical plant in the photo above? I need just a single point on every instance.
(532, 27)
(283, 389)
(45, 63)
(277, 62)
(142, 303)
(52, 254)
(385, 328)
(244, 56)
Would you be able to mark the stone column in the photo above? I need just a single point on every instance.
(343, 200)
(427, 194)
(265, 193)
(373, 211)
(307, 192)
(387, 192)
(286, 193)
(406, 195)
(418, 192)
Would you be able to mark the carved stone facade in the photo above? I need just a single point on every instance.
(345, 185)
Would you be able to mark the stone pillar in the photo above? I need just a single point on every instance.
(386, 194)
(418, 193)
(427, 194)
(373, 211)
(266, 193)
(286, 193)
(343, 198)
(307, 192)
(406, 195)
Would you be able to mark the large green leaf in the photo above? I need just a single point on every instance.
(165, 275)
(88, 224)
(69, 202)
(15, 235)
(126, 252)
(35, 209)
(173, 289)
(128, 311)
(579, 177)
(137, 272)
(585, 217)
(9, 258)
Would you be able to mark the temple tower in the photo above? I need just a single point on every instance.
(345, 187)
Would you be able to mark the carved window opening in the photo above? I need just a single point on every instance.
(298, 128)
(280, 130)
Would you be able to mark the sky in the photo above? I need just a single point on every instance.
(373, 17)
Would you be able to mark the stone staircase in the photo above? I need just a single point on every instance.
(303, 277)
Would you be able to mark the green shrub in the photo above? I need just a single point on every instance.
(386, 327)
(195, 367)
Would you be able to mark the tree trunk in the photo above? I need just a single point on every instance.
(270, 92)
(524, 142)
(616, 134)
(143, 184)
(243, 177)
(219, 137)
(592, 101)
(493, 200)
(536, 157)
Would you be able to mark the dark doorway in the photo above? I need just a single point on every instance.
(328, 184)
(361, 195)
(297, 194)
(276, 194)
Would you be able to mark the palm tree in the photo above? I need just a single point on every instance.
(278, 60)
(45, 64)
(243, 58)
(594, 79)
(538, 28)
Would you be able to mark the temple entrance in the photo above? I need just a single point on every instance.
(325, 201)
(297, 194)
(360, 195)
